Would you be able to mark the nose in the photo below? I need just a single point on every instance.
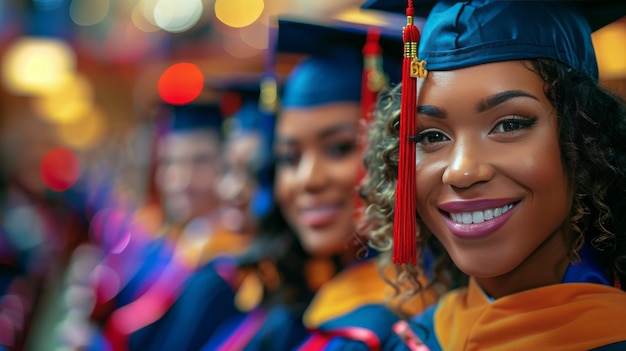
(232, 186)
(467, 166)
(310, 173)
(178, 177)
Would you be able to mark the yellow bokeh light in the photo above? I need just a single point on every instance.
(84, 133)
(610, 46)
(68, 103)
(34, 66)
(238, 13)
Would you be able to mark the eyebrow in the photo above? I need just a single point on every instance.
(502, 97)
(482, 106)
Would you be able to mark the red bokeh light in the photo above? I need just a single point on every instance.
(59, 169)
(181, 83)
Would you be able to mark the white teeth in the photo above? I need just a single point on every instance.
(479, 216)
(488, 214)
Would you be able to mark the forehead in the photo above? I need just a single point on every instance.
(189, 141)
(480, 81)
(310, 122)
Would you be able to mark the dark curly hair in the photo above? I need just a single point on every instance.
(592, 137)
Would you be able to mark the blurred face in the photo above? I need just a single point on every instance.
(187, 172)
(491, 184)
(239, 182)
(317, 167)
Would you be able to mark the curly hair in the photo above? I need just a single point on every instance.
(592, 138)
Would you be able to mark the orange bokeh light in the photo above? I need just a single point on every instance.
(181, 83)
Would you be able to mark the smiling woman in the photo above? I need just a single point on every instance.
(519, 180)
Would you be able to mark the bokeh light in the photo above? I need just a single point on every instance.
(60, 169)
(69, 102)
(24, 227)
(611, 50)
(34, 66)
(89, 12)
(177, 16)
(181, 83)
(143, 22)
(86, 132)
(238, 13)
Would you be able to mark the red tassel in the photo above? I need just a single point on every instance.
(405, 226)
(373, 81)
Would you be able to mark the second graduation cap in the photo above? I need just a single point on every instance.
(333, 68)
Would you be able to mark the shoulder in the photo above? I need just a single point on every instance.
(367, 327)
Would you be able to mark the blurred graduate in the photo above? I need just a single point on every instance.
(325, 105)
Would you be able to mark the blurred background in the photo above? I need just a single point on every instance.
(89, 71)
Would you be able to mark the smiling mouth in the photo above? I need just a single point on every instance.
(476, 217)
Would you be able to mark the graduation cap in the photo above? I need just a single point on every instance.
(333, 68)
(466, 33)
(462, 34)
(191, 117)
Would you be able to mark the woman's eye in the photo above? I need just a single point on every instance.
(513, 125)
(430, 137)
(341, 149)
(286, 159)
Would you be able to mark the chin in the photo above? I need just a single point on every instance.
(323, 243)
(483, 268)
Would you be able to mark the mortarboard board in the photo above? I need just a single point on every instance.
(466, 33)
(333, 67)
(458, 34)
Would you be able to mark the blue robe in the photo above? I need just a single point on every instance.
(583, 312)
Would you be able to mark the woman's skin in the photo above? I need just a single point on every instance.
(485, 146)
(317, 167)
(238, 183)
(187, 173)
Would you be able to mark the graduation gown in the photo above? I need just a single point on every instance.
(351, 307)
(583, 312)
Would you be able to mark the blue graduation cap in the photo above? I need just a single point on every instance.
(334, 58)
(461, 34)
(194, 116)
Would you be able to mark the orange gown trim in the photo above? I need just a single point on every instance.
(357, 285)
(568, 316)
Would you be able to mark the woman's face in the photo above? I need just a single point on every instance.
(491, 184)
(187, 171)
(238, 183)
(317, 167)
